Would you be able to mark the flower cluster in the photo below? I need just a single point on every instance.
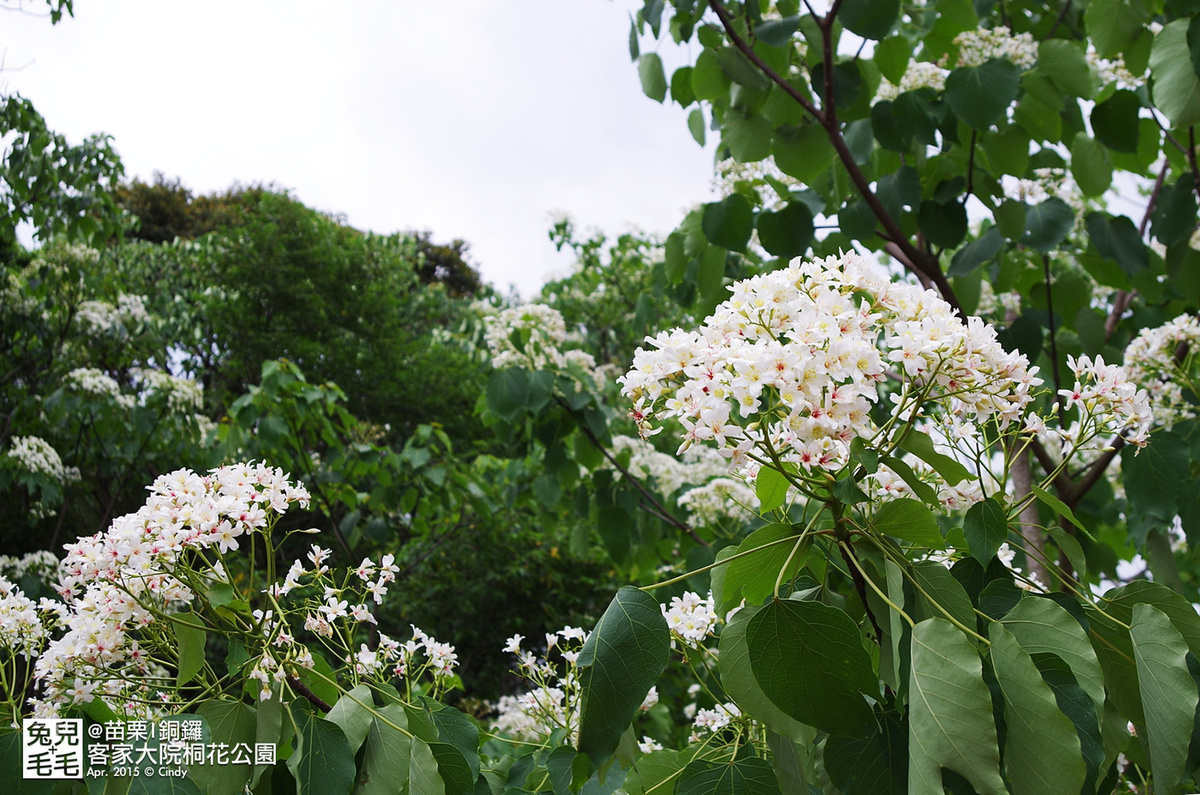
(526, 336)
(800, 352)
(22, 628)
(690, 618)
(1156, 360)
(918, 74)
(975, 47)
(1110, 406)
(120, 583)
(719, 500)
(553, 701)
(101, 319)
(181, 394)
(36, 455)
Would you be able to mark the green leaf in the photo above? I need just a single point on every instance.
(231, 723)
(753, 577)
(654, 80)
(938, 588)
(1117, 239)
(737, 677)
(892, 56)
(621, 661)
(1064, 63)
(747, 776)
(786, 233)
(696, 125)
(871, 19)
(970, 257)
(1091, 165)
(950, 713)
(709, 81)
(728, 223)
(191, 639)
(386, 754)
(876, 765)
(1115, 121)
(920, 444)
(1047, 225)
(809, 660)
(710, 277)
(1042, 626)
(985, 528)
(943, 223)
(1175, 86)
(423, 775)
(1042, 754)
(681, 86)
(771, 487)
(322, 763)
(747, 136)
(741, 71)
(777, 32)
(507, 392)
(919, 487)
(1174, 216)
(802, 152)
(352, 716)
(1168, 693)
(980, 95)
(909, 520)
(1111, 25)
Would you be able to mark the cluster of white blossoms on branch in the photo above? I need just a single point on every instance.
(788, 369)
(36, 455)
(119, 583)
(1109, 405)
(102, 319)
(1157, 358)
(532, 336)
(975, 47)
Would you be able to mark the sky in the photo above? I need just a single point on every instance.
(473, 119)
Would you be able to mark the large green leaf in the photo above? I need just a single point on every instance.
(351, 714)
(1042, 626)
(754, 576)
(921, 445)
(737, 677)
(385, 755)
(747, 776)
(809, 660)
(980, 95)
(322, 763)
(729, 222)
(1115, 121)
(1041, 749)
(747, 136)
(1064, 62)
(190, 636)
(1091, 165)
(423, 775)
(1112, 26)
(909, 520)
(871, 19)
(1117, 239)
(1176, 86)
(1168, 692)
(937, 584)
(802, 152)
(231, 723)
(771, 487)
(950, 713)
(786, 233)
(621, 661)
(876, 765)
(985, 528)
(1047, 224)
(654, 80)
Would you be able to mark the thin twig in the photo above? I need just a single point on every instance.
(1062, 14)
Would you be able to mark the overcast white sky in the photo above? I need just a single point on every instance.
(473, 119)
